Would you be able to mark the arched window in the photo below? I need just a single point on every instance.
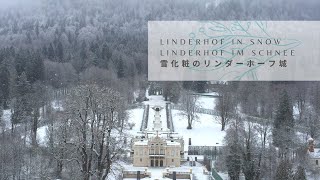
(161, 151)
(151, 151)
(172, 153)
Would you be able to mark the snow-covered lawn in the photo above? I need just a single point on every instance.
(207, 102)
(42, 137)
(155, 101)
(205, 132)
(135, 116)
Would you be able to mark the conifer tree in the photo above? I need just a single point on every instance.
(4, 85)
(300, 174)
(284, 171)
(51, 52)
(283, 125)
(60, 53)
(21, 107)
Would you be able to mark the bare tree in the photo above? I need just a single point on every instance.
(189, 106)
(311, 123)
(12, 151)
(234, 148)
(60, 141)
(301, 98)
(171, 91)
(97, 118)
(226, 106)
(263, 129)
(2, 123)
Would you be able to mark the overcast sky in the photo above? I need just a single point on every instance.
(4, 4)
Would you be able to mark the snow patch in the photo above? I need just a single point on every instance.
(205, 132)
(6, 119)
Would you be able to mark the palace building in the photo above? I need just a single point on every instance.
(314, 154)
(157, 146)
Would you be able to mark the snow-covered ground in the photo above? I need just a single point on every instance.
(207, 102)
(42, 137)
(205, 132)
(5, 122)
(155, 101)
(135, 116)
(159, 102)
(151, 118)
(156, 173)
(57, 105)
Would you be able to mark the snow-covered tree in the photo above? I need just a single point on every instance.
(226, 105)
(233, 149)
(284, 170)
(171, 91)
(98, 118)
(283, 126)
(189, 107)
(300, 174)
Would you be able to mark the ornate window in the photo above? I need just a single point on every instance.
(172, 153)
(161, 151)
(151, 151)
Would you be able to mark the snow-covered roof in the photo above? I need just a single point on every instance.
(145, 143)
(141, 143)
(315, 154)
(310, 139)
(173, 143)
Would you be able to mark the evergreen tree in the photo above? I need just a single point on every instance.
(1, 114)
(171, 91)
(284, 171)
(120, 68)
(80, 63)
(59, 52)
(83, 50)
(300, 173)
(23, 85)
(21, 61)
(105, 56)
(45, 51)
(35, 68)
(200, 86)
(187, 85)
(29, 38)
(283, 125)
(22, 109)
(234, 149)
(234, 160)
(37, 28)
(4, 84)
(51, 52)
(15, 27)
(93, 47)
